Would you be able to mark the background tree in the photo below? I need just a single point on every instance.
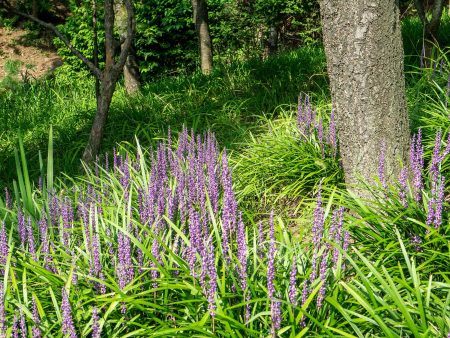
(364, 53)
(131, 74)
(200, 15)
(430, 26)
(108, 77)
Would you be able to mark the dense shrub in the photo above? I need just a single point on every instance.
(166, 42)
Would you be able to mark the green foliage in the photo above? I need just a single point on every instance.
(228, 102)
(166, 41)
(280, 165)
(11, 79)
(392, 302)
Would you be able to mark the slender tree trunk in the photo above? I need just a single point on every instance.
(271, 42)
(364, 53)
(109, 77)
(200, 14)
(131, 71)
(95, 52)
(35, 8)
(430, 27)
(107, 88)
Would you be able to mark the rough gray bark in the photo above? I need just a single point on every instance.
(200, 15)
(131, 71)
(430, 27)
(364, 53)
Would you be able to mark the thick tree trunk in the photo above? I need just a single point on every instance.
(131, 71)
(364, 53)
(200, 14)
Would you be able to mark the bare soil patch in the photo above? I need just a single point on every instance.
(36, 58)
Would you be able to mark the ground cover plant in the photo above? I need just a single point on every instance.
(234, 222)
(157, 236)
(159, 239)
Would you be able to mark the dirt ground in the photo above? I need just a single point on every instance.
(36, 57)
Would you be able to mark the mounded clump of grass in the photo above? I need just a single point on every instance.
(290, 158)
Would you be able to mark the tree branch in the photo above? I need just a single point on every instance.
(96, 71)
(126, 46)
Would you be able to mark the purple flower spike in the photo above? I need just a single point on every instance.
(21, 227)
(439, 201)
(271, 262)
(96, 332)
(15, 327)
(333, 138)
(337, 237)
(276, 316)
(67, 219)
(293, 283)
(403, 186)
(30, 237)
(436, 158)
(8, 200)
(323, 274)
(320, 135)
(305, 294)
(23, 325)
(68, 327)
(4, 248)
(317, 232)
(242, 253)
(2, 312)
(156, 255)
(36, 330)
(417, 162)
(125, 269)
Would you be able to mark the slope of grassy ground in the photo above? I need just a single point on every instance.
(228, 102)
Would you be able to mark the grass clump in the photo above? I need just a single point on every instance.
(290, 158)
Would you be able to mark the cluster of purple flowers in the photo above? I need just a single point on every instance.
(189, 185)
(4, 248)
(68, 328)
(437, 180)
(271, 290)
(308, 125)
(325, 257)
